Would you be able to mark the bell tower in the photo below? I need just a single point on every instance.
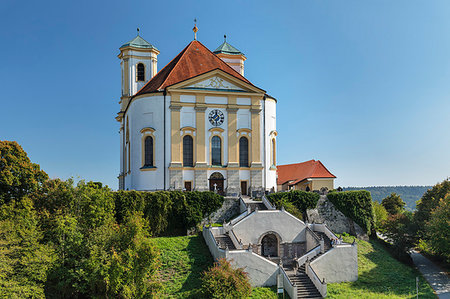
(138, 63)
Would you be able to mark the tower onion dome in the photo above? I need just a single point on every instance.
(226, 48)
(139, 42)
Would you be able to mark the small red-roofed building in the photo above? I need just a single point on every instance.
(308, 176)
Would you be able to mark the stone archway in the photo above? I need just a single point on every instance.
(269, 245)
(216, 182)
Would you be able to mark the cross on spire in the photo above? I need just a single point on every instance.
(195, 29)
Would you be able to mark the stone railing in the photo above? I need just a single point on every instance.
(321, 286)
(267, 203)
(237, 243)
(208, 235)
(288, 285)
(309, 255)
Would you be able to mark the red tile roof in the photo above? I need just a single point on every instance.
(301, 171)
(194, 60)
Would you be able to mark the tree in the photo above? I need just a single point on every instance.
(393, 204)
(24, 260)
(400, 232)
(380, 214)
(429, 201)
(223, 281)
(438, 229)
(18, 176)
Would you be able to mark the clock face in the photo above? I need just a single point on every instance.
(216, 117)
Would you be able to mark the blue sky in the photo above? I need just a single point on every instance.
(361, 85)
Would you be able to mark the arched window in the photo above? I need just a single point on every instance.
(216, 151)
(188, 151)
(148, 152)
(140, 72)
(273, 152)
(243, 152)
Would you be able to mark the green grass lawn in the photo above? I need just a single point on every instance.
(380, 276)
(183, 261)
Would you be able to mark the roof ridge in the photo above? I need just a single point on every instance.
(181, 54)
(227, 65)
(160, 71)
(296, 163)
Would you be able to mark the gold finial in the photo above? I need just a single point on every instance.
(195, 29)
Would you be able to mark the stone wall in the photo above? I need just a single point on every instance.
(201, 180)
(339, 264)
(228, 210)
(175, 179)
(233, 184)
(326, 212)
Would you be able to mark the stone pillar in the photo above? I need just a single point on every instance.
(201, 180)
(256, 167)
(233, 188)
(175, 167)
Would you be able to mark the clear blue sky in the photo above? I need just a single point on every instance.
(364, 86)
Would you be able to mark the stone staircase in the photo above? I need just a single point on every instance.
(254, 205)
(225, 242)
(305, 287)
(327, 241)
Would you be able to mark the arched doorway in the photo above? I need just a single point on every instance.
(216, 182)
(269, 245)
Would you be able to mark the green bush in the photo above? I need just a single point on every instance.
(357, 205)
(222, 281)
(295, 202)
(168, 212)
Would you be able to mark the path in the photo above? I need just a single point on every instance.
(437, 278)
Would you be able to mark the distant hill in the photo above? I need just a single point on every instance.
(409, 194)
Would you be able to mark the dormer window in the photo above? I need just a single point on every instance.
(140, 72)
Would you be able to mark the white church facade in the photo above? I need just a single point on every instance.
(197, 124)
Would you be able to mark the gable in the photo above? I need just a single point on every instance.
(214, 83)
(216, 80)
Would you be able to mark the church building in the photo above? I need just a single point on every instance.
(197, 124)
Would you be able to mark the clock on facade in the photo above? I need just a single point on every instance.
(216, 117)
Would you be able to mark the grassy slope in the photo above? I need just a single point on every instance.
(380, 276)
(183, 261)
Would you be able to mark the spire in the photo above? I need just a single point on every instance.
(195, 29)
(137, 31)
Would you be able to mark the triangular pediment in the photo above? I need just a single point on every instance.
(217, 80)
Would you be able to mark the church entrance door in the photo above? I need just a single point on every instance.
(269, 245)
(216, 182)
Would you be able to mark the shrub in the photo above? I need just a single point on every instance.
(295, 202)
(222, 281)
(357, 205)
(168, 212)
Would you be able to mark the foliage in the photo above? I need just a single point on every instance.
(224, 281)
(400, 231)
(18, 176)
(380, 215)
(266, 293)
(357, 205)
(380, 276)
(183, 261)
(168, 212)
(409, 194)
(393, 204)
(428, 202)
(295, 202)
(24, 260)
(438, 229)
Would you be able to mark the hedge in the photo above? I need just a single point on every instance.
(168, 212)
(301, 200)
(356, 205)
